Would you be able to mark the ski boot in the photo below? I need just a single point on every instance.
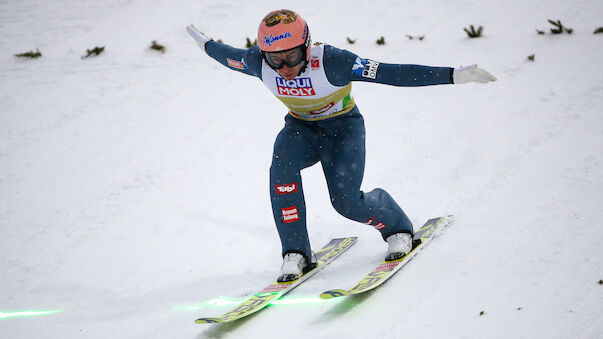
(399, 244)
(294, 266)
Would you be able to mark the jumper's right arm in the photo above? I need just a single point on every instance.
(247, 61)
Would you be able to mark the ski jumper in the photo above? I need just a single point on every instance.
(324, 125)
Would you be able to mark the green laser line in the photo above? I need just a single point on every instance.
(25, 314)
(222, 302)
(300, 300)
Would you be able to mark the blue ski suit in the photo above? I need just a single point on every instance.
(324, 125)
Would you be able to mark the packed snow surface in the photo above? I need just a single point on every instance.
(134, 184)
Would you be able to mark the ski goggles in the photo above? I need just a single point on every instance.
(291, 58)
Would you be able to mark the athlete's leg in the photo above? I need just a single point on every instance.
(292, 153)
(343, 160)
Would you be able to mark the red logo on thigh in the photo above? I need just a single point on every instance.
(290, 214)
(284, 189)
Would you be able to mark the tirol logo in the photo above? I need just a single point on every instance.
(300, 87)
(315, 63)
(285, 189)
(269, 40)
(290, 214)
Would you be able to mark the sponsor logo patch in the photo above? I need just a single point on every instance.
(290, 214)
(269, 40)
(370, 221)
(358, 66)
(324, 109)
(315, 63)
(299, 87)
(370, 70)
(235, 64)
(285, 189)
(365, 68)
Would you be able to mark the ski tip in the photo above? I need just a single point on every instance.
(333, 294)
(208, 321)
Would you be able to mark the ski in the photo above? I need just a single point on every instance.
(277, 289)
(387, 269)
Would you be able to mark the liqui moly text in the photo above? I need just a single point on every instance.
(299, 87)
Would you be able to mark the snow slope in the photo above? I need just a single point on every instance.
(133, 184)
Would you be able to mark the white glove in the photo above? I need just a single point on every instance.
(200, 38)
(471, 73)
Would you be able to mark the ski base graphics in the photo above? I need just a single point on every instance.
(387, 269)
(274, 291)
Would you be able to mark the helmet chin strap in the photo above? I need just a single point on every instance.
(305, 51)
(306, 56)
(303, 68)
